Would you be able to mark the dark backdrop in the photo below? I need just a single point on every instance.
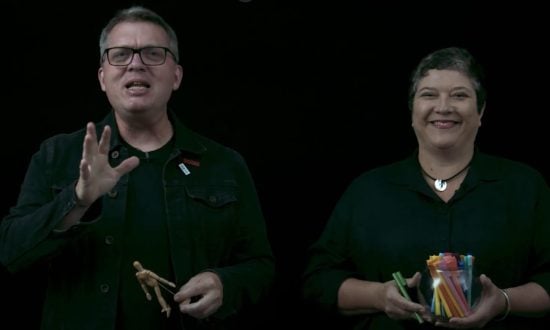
(311, 94)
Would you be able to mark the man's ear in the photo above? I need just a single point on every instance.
(100, 78)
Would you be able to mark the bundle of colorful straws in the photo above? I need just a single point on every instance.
(451, 283)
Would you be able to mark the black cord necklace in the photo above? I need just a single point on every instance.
(441, 184)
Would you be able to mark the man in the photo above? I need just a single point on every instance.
(149, 190)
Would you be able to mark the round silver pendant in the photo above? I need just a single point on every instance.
(440, 185)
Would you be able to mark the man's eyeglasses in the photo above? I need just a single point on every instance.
(122, 56)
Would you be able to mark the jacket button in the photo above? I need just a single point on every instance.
(104, 288)
(109, 240)
(112, 193)
(115, 154)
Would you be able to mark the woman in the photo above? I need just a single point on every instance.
(447, 196)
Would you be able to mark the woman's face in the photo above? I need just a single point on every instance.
(444, 111)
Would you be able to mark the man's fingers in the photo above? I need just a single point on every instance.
(127, 165)
(90, 129)
(105, 140)
(84, 170)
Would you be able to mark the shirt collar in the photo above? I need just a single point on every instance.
(483, 168)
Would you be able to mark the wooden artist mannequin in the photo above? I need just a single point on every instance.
(148, 278)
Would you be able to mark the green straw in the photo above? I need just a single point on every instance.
(401, 284)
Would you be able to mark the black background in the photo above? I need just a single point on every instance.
(310, 93)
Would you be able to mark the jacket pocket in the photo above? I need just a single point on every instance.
(211, 218)
(215, 197)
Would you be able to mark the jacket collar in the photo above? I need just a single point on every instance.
(185, 139)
